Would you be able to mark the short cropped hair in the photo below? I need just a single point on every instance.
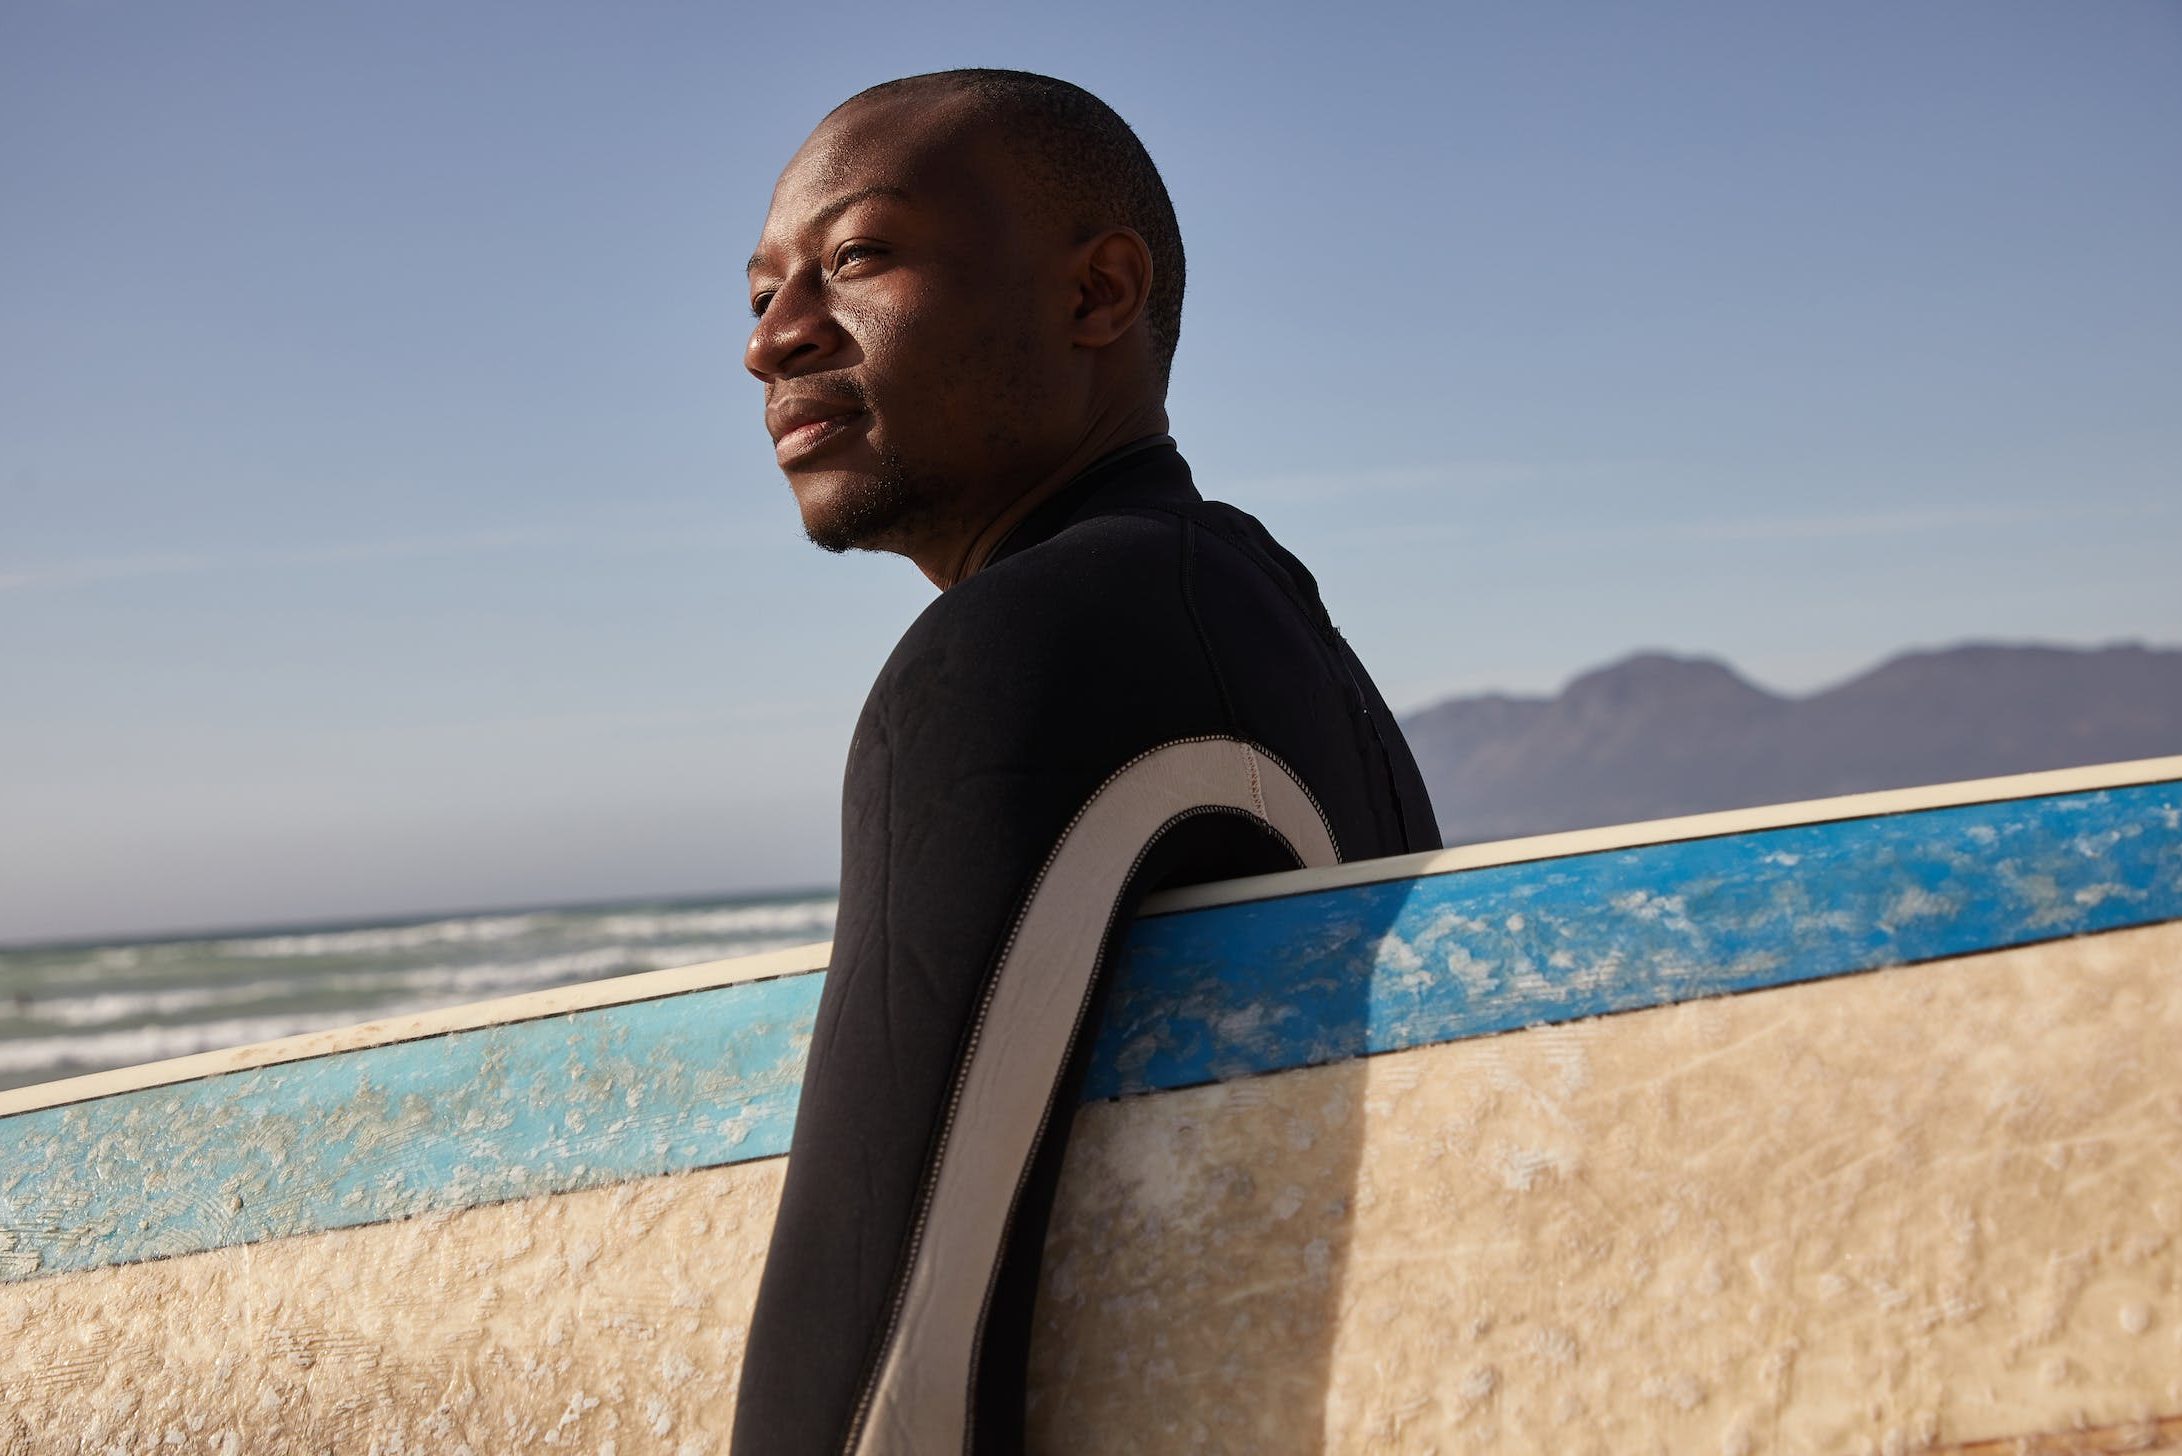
(1089, 163)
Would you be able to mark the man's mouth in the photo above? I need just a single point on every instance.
(810, 422)
(810, 437)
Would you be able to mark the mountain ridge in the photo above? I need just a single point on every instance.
(1657, 734)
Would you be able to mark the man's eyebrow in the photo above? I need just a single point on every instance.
(834, 209)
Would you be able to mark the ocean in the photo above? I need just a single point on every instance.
(70, 1009)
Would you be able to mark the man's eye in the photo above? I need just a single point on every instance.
(758, 305)
(849, 253)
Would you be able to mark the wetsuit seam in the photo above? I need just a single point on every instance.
(1312, 607)
(1378, 743)
(1332, 645)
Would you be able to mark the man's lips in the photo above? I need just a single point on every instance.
(808, 439)
(801, 428)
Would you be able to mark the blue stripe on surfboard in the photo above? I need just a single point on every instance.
(705, 1078)
(1248, 988)
(563, 1102)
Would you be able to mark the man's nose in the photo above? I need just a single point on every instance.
(794, 335)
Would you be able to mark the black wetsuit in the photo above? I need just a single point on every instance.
(1129, 693)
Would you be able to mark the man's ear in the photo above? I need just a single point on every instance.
(1113, 280)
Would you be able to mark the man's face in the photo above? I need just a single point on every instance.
(910, 317)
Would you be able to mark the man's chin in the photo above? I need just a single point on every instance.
(843, 511)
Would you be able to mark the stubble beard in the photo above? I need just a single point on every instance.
(879, 512)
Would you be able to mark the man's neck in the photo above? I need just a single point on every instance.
(1140, 428)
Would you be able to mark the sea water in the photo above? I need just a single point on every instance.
(70, 1009)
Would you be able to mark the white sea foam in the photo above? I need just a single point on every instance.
(59, 1055)
(106, 1007)
(574, 965)
(812, 916)
(401, 986)
(793, 917)
(203, 995)
(381, 939)
(694, 953)
(516, 975)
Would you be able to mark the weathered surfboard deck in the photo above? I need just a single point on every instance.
(1844, 1127)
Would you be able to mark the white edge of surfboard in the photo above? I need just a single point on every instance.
(652, 985)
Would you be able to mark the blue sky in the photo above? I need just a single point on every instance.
(386, 523)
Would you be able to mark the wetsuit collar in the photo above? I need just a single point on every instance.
(1152, 462)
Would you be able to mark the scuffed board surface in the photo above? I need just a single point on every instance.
(607, 1319)
(1888, 1213)
(1879, 1214)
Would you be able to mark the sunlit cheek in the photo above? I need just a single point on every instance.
(877, 324)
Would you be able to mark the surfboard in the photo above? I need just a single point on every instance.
(1837, 1127)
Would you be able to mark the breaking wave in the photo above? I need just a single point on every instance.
(68, 1010)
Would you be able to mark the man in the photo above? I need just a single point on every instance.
(968, 293)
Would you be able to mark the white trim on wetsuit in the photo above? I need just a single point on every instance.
(920, 1395)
